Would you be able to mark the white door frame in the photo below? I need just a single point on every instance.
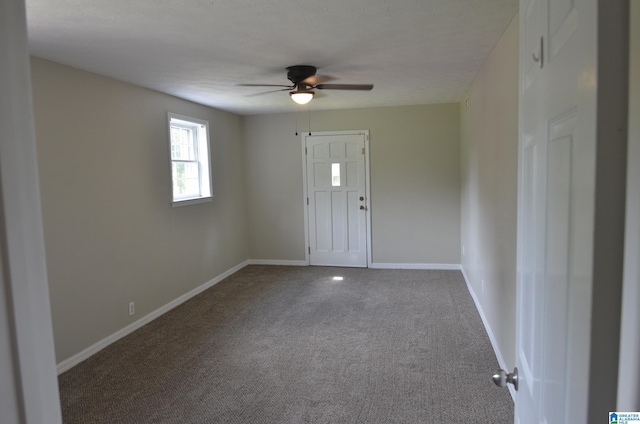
(29, 384)
(367, 177)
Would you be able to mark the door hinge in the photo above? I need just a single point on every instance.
(309, 249)
(363, 150)
(305, 150)
(307, 201)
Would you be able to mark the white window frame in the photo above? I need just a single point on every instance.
(202, 151)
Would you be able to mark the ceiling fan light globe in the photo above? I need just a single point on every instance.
(301, 97)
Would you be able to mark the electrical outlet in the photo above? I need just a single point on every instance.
(463, 250)
(132, 308)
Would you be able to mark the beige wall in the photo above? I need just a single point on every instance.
(489, 156)
(415, 181)
(629, 377)
(111, 234)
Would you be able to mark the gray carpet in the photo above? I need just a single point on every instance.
(275, 344)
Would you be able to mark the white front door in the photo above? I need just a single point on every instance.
(336, 199)
(556, 209)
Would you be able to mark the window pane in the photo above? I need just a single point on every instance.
(182, 144)
(186, 182)
(335, 174)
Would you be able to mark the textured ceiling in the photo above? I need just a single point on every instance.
(414, 51)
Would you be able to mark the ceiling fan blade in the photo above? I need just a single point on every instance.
(317, 79)
(265, 85)
(267, 92)
(363, 87)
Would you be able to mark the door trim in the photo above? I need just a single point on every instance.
(29, 385)
(367, 177)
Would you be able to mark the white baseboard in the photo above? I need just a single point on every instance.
(382, 265)
(277, 262)
(96, 347)
(485, 321)
(378, 265)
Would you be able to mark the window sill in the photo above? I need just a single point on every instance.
(186, 202)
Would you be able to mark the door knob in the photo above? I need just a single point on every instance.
(502, 378)
(362, 207)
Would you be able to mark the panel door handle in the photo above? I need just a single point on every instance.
(539, 59)
(363, 207)
(501, 378)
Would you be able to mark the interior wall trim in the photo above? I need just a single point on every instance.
(74, 360)
(277, 262)
(485, 321)
(384, 265)
(375, 265)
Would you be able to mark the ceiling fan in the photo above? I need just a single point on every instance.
(304, 80)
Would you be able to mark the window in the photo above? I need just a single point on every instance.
(335, 174)
(190, 166)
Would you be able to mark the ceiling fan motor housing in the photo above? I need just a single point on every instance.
(298, 73)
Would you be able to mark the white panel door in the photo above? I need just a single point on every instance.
(336, 198)
(555, 208)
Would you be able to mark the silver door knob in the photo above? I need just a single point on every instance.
(362, 207)
(502, 378)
